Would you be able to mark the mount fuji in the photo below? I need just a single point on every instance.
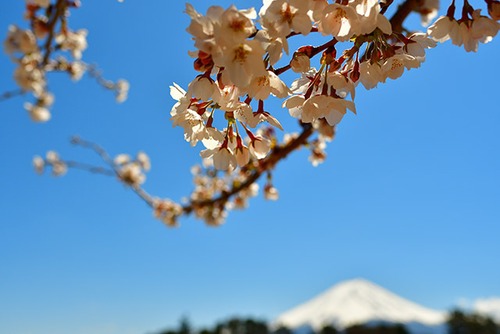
(361, 302)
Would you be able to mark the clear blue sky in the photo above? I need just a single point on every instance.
(408, 197)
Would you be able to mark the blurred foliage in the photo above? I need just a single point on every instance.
(460, 322)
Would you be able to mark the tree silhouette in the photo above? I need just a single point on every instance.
(460, 322)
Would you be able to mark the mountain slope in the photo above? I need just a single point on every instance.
(358, 301)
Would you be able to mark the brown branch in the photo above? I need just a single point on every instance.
(314, 52)
(60, 9)
(277, 154)
(254, 170)
(11, 94)
(281, 152)
(402, 13)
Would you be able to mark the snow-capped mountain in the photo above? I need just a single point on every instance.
(357, 302)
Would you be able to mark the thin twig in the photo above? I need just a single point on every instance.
(97, 149)
(113, 171)
(314, 52)
(11, 94)
(95, 73)
(90, 168)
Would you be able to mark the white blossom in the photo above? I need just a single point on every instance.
(370, 17)
(30, 78)
(234, 26)
(121, 88)
(319, 106)
(167, 211)
(192, 123)
(122, 159)
(37, 113)
(270, 192)
(281, 17)
(75, 42)
(370, 74)
(261, 87)
(143, 160)
(445, 28)
(131, 174)
(419, 42)
(394, 66)
(341, 83)
(76, 70)
(242, 62)
(58, 166)
(300, 63)
(38, 164)
(259, 147)
(274, 45)
(202, 88)
(19, 40)
(224, 159)
(339, 21)
(201, 28)
(242, 155)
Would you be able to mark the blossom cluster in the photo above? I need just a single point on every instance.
(49, 45)
(52, 160)
(470, 29)
(209, 185)
(239, 56)
(237, 51)
(132, 171)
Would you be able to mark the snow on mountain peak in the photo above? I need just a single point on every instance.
(358, 301)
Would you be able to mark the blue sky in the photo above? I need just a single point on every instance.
(408, 197)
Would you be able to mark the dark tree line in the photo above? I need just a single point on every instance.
(458, 322)
(253, 326)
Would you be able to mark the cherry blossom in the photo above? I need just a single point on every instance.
(371, 74)
(234, 25)
(259, 147)
(19, 40)
(370, 17)
(73, 41)
(37, 113)
(38, 164)
(281, 17)
(445, 28)
(242, 62)
(239, 57)
(262, 86)
(271, 193)
(203, 88)
(300, 62)
(394, 67)
(417, 43)
(339, 21)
